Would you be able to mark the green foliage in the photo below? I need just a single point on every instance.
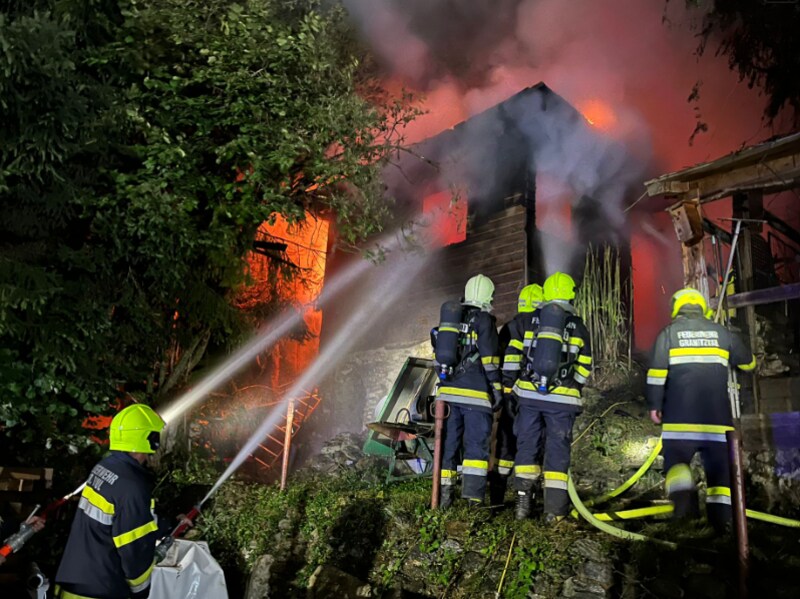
(430, 527)
(529, 560)
(761, 43)
(144, 142)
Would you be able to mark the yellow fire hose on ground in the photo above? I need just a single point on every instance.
(599, 520)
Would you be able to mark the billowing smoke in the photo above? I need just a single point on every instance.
(629, 66)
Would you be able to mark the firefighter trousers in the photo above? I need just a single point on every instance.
(680, 484)
(471, 429)
(535, 426)
(505, 449)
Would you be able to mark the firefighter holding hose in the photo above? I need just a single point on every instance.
(467, 354)
(687, 393)
(111, 546)
(506, 441)
(555, 361)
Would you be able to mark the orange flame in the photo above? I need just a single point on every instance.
(598, 114)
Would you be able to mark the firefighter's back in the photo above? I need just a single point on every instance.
(91, 565)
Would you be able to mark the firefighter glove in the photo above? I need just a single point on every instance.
(512, 405)
(497, 399)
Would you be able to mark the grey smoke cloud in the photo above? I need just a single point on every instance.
(430, 40)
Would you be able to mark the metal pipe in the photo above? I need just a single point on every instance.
(728, 270)
(739, 509)
(439, 414)
(287, 442)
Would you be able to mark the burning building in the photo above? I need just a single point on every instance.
(515, 192)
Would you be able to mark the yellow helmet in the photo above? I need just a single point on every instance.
(559, 286)
(137, 429)
(688, 296)
(529, 298)
(479, 292)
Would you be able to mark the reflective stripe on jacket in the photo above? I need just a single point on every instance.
(111, 546)
(688, 375)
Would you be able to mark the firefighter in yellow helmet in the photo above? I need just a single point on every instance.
(555, 361)
(506, 441)
(467, 352)
(111, 547)
(687, 393)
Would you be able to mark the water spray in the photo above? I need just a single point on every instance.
(275, 330)
(363, 318)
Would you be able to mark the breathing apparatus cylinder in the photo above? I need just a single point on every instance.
(549, 341)
(446, 350)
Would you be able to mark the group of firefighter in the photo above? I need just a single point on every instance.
(531, 375)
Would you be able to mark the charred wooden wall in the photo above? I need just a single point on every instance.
(496, 248)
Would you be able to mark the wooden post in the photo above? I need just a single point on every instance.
(287, 442)
(739, 509)
(439, 414)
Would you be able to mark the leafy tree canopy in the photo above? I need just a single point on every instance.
(761, 42)
(143, 142)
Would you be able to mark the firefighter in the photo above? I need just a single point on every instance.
(687, 393)
(506, 442)
(473, 392)
(555, 362)
(111, 546)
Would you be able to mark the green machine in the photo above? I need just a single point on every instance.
(403, 431)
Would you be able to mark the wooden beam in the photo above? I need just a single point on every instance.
(773, 174)
(771, 295)
(769, 172)
(657, 188)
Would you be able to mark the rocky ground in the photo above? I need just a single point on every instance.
(339, 531)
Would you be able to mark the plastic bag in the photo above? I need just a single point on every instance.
(188, 572)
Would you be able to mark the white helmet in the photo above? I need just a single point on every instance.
(479, 292)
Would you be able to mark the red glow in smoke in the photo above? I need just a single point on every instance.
(628, 67)
(449, 218)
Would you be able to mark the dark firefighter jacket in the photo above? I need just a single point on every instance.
(111, 547)
(688, 377)
(513, 354)
(576, 360)
(476, 379)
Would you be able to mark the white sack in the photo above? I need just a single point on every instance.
(188, 572)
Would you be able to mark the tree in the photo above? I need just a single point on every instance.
(146, 141)
(761, 42)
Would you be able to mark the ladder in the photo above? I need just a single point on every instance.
(269, 452)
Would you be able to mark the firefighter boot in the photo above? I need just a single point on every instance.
(523, 505)
(446, 496)
(552, 519)
(473, 503)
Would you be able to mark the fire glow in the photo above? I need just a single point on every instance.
(598, 114)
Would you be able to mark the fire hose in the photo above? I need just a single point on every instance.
(166, 542)
(599, 519)
(26, 530)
